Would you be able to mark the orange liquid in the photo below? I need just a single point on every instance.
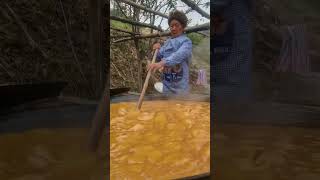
(51, 154)
(165, 140)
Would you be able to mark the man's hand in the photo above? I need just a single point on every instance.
(155, 66)
(156, 46)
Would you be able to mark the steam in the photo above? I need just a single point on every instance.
(201, 58)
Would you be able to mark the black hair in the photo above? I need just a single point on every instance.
(179, 16)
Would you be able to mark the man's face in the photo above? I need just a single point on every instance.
(176, 28)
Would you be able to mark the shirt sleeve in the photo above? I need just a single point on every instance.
(159, 56)
(183, 53)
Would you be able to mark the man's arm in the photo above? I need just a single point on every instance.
(159, 56)
(180, 55)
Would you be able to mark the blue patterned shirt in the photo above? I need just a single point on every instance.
(176, 53)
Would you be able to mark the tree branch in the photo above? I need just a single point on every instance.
(122, 30)
(160, 6)
(135, 23)
(71, 44)
(122, 40)
(164, 12)
(121, 9)
(188, 10)
(121, 36)
(143, 8)
(32, 43)
(202, 27)
(195, 7)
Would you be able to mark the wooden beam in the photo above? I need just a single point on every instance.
(202, 27)
(122, 40)
(121, 36)
(134, 23)
(122, 30)
(143, 8)
(195, 7)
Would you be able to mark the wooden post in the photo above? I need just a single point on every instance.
(99, 122)
(98, 10)
(136, 42)
(135, 29)
(97, 40)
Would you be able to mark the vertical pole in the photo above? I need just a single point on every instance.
(97, 41)
(136, 13)
(136, 42)
(98, 12)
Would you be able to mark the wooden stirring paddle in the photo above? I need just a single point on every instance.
(146, 82)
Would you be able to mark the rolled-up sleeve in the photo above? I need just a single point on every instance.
(182, 54)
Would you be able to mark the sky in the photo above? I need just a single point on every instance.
(195, 17)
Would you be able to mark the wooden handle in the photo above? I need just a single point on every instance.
(146, 82)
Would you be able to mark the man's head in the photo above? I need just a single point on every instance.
(177, 22)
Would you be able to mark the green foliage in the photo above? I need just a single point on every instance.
(144, 47)
(121, 25)
(195, 38)
(115, 12)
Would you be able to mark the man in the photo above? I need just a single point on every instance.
(174, 57)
